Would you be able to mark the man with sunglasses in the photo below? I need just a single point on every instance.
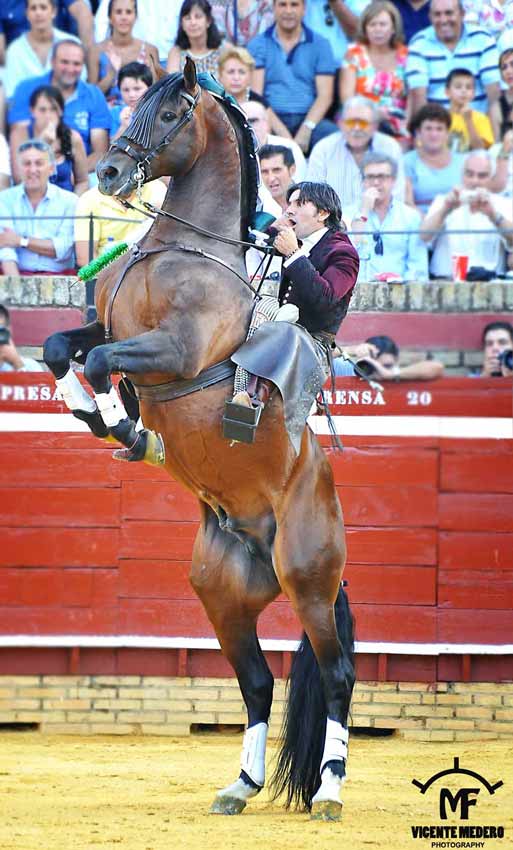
(401, 254)
(467, 208)
(336, 160)
(36, 217)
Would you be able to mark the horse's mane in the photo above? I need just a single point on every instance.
(141, 128)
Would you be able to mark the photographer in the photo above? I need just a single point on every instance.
(378, 358)
(10, 360)
(497, 343)
(467, 208)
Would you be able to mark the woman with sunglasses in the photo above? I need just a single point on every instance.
(107, 58)
(432, 167)
(375, 66)
(197, 37)
(47, 125)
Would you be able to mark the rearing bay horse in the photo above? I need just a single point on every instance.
(270, 518)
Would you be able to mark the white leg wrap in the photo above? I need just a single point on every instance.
(252, 759)
(111, 407)
(73, 393)
(335, 745)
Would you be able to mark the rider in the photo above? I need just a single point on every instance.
(319, 271)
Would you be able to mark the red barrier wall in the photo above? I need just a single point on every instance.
(95, 547)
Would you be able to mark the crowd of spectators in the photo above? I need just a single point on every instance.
(405, 107)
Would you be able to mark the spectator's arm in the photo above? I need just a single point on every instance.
(19, 134)
(85, 22)
(347, 20)
(45, 247)
(493, 92)
(2, 48)
(99, 145)
(324, 85)
(9, 267)
(436, 215)
(277, 126)
(173, 60)
(93, 65)
(82, 252)
(347, 83)
(5, 181)
(500, 178)
(475, 141)
(258, 80)
(425, 370)
(79, 163)
(416, 99)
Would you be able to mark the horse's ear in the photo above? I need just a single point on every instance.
(189, 75)
(157, 69)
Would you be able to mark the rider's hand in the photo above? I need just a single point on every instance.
(286, 242)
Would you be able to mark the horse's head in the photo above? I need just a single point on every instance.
(144, 152)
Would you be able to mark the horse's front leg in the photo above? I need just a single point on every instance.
(59, 350)
(150, 352)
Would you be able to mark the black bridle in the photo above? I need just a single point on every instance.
(142, 170)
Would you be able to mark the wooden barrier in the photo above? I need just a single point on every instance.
(95, 554)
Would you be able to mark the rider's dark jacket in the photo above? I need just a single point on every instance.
(321, 284)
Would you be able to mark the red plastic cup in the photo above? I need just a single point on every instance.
(459, 267)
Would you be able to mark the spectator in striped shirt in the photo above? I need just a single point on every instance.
(448, 44)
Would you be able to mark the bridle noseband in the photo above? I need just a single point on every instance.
(142, 171)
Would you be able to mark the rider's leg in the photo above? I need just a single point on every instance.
(267, 309)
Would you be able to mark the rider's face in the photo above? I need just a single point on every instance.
(305, 218)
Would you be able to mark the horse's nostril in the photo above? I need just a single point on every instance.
(108, 172)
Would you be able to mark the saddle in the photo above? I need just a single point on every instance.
(295, 362)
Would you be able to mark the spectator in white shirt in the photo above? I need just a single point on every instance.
(337, 158)
(467, 208)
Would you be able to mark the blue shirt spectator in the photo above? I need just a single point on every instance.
(30, 242)
(295, 71)
(414, 18)
(450, 44)
(335, 159)
(384, 253)
(85, 108)
(22, 62)
(427, 182)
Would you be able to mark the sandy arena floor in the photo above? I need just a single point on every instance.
(62, 793)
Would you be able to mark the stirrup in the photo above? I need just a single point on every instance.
(240, 422)
(149, 447)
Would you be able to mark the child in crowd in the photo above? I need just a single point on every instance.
(470, 129)
(134, 79)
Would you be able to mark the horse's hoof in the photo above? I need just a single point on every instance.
(227, 806)
(327, 810)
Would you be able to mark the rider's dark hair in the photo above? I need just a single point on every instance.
(62, 131)
(384, 344)
(267, 151)
(136, 71)
(213, 35)
(497, 326)
(323, 197)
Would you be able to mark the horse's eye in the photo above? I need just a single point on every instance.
(167, 117)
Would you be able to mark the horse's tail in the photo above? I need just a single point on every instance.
(297, 773)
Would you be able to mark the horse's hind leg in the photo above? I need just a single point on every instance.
(309, 558)
(235, 585)
(59, 350)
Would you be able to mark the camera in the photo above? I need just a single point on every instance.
(506, 358)
(5, 336)
(467, 196)
(365, 367)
